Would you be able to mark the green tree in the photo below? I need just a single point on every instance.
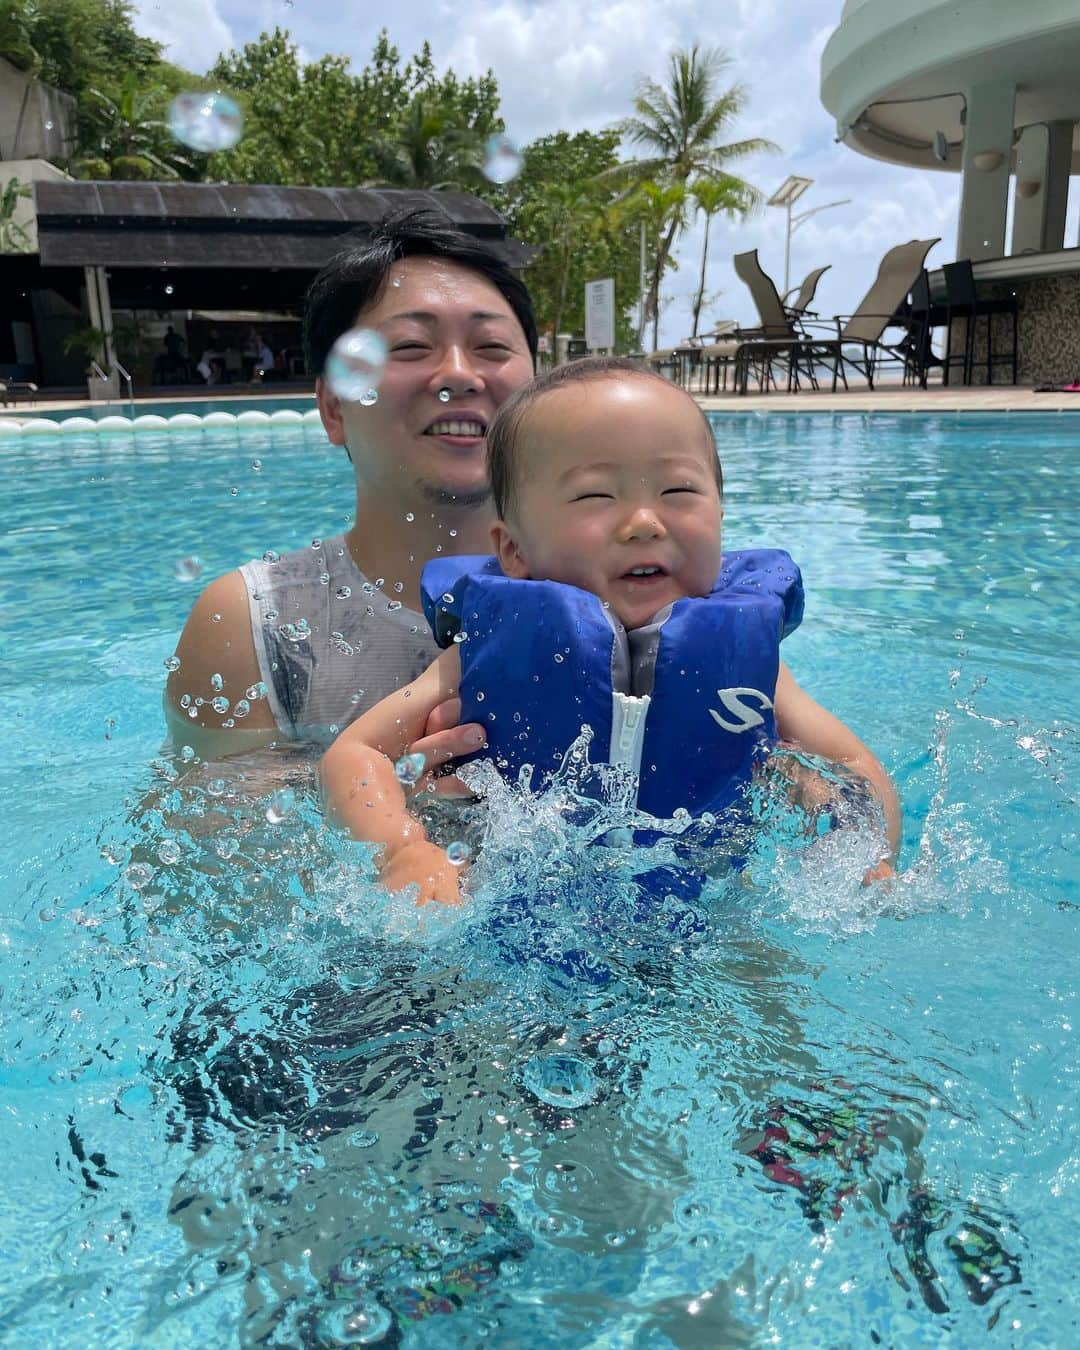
(711, 196)
(560, 204)
(681, 126)
(658, 210)
(13, 238)
(129, 137)
(426, 150)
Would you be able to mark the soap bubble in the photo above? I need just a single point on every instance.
(205, 121)
(458, 853)
(187, 569)
(409, 768)
(502, 159)
(355, 366)
(280, 805)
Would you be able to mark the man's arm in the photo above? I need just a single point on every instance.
(217, 641)
(361, 790)
(814, 729)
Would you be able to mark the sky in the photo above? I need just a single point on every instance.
(571, 65)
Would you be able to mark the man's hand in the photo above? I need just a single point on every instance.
(426, 866)
(445, 740)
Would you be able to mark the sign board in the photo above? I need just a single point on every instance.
(600, 314)
(543, 345)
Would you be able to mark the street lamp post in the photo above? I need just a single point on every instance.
(786, 195)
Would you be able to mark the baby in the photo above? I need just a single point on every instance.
(605, 479)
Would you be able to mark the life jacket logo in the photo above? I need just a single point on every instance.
(732, 699)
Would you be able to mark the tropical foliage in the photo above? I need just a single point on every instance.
(13, 238)
(588, 212)
(680, 126)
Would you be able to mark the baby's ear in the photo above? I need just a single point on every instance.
(505, 548)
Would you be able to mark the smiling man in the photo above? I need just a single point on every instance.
(325, 632)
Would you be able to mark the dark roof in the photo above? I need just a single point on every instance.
(231, 225)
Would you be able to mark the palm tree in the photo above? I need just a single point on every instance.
(426, 152)
(680, 126)
(712, 195)
(133, 142)
(654, 208)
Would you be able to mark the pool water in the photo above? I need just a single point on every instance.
(247, 1099)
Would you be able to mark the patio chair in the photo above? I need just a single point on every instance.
(12, 390)
(777, 340)
(804, 297)
(882, 308)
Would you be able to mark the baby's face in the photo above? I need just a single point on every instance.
(618, 496)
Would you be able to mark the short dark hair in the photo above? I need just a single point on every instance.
(355, 278)
(504, 434)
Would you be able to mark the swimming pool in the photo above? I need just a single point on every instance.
(234, 1109)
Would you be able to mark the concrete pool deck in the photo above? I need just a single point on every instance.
(999, 399)
(887, 399)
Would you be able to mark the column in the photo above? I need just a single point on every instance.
(100, 306)
(988, 136)
(1043, 161)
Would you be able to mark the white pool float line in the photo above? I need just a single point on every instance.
(183, 421)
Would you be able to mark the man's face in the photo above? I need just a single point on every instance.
(617, 494)
(446, 328)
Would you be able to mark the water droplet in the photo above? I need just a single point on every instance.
(187, 569)
(560, 1080)
(256, 464)
(316, 543)
(255, 691)
(502, 159)
(394, 604)
(168, 290)
(558, 657)
(172, 663)
(215, 618)
(205, 121)
(448, 597)
(363, 1138)
(220, 704)
(233, 492)
(216, 682)
(225, 846)
(444, 395)
(461, 637)
(453, 534)
(409, 768)
(242, 708)
(168, 851)
(271, 557)
(187, 754)
(409, 517)
(280, 805)
(137, 875)
(458, 853)
(479, 696)
(355, 366)
(324, 578)
(356, 1322)
(399, 586)
(343, 592)
(49, 125)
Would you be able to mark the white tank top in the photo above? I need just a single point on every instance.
(330, 642)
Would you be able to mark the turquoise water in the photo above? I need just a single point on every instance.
(247, 1100)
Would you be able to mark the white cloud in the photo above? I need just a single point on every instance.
(192, 32)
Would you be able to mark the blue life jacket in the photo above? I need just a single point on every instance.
(685, 703)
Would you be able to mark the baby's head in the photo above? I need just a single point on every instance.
(605, 476)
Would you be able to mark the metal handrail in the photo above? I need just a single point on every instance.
(124, 374)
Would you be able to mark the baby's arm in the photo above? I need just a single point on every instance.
(812, 728)
(361, 790)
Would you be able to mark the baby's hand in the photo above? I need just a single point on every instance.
(425, 865)
(882, 872)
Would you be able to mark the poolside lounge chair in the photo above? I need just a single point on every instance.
(12, 390)
(778, 341)
(804, 298)
(882, 308)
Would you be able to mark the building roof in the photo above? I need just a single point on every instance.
(207, 225)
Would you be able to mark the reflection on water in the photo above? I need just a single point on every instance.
(248, 1098)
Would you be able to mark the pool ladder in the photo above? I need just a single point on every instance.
(124, 375)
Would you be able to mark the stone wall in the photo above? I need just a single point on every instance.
(1048, 324)
(36, 121)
